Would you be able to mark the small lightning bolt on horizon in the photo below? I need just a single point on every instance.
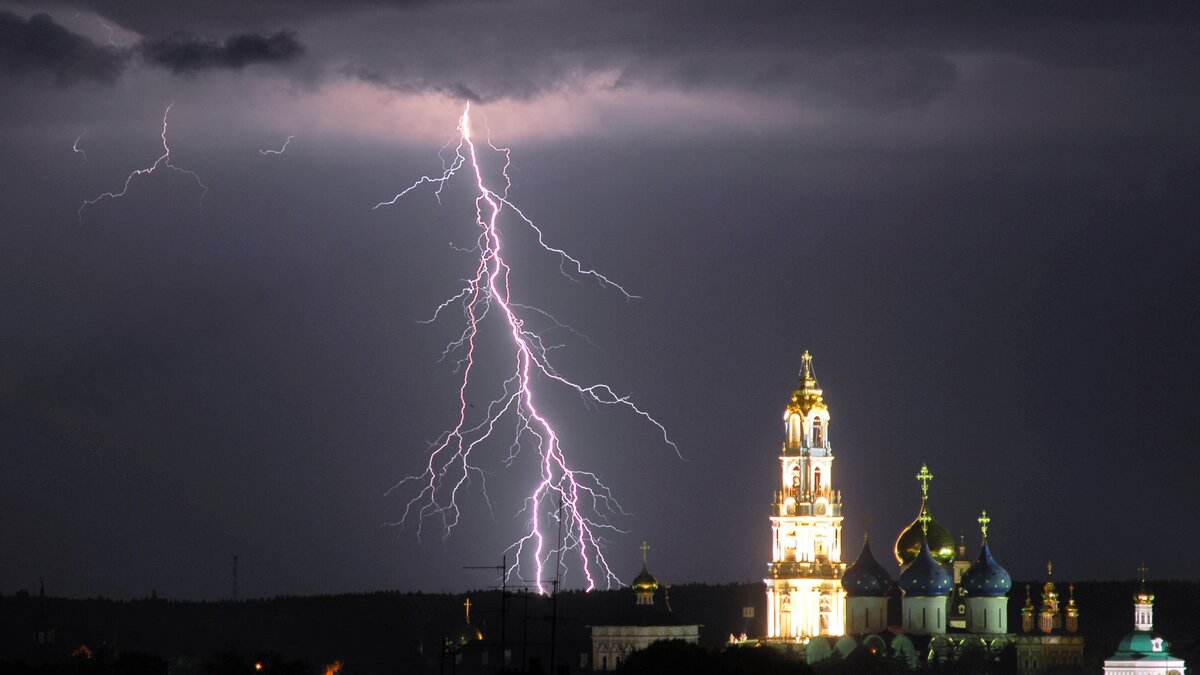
(280, 151)
(575, 501)
(76, 147)
(164, 160)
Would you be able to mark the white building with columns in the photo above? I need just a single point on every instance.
(805, 597)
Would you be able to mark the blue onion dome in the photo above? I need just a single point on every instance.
(941, 542)
(925, 577)
(986, 578)
(865, 577)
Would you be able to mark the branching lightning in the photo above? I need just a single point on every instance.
(571, 499)
(280, 151)
(164, 160)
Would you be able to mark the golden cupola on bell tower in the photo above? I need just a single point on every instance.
(804, 592)
(806, 417)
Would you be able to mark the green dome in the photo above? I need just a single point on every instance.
(941, 542)
(1140, 645)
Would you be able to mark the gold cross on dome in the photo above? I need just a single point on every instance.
(924, 518)
(983, 524)
(467, 604)
(924, 477)
(645, 548)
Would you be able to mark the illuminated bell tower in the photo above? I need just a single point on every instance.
(805, 596)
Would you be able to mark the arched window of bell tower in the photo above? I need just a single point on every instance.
(794, 430)
(818, 432)
(817, 480)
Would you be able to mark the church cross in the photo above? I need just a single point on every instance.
(924, 518)
(1142, 571)
(467, 604)
(924, 477)
(645, 549)
(983, 524)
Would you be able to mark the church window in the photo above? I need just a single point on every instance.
(817, 480)
(794, 431)
(817, 433)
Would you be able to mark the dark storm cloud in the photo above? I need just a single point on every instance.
(39, 47)
(455, 90)
(184, 53)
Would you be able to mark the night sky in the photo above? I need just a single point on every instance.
(981, 218)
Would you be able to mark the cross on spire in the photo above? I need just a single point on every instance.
(1142, 571)
(924, 518)
(983, 524)
(924, 477)
(645, 549)
(467, 604)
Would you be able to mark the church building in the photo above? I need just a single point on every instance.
(951, 607)
(1143, 651)
(639, 626)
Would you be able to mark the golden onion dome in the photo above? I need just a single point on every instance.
(941, 542)
(645, 582)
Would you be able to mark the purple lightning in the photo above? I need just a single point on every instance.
(280, 150)
(76, 147)
(164, 160)
(575, 500)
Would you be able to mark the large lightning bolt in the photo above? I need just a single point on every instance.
(575, 501)
(164, 160)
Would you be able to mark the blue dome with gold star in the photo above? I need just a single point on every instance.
(986, 578)
(925, 577)
(865, 577)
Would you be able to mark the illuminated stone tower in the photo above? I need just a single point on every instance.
(804, 591)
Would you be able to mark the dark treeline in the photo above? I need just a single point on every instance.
(392, 632)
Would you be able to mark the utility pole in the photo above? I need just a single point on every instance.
(525, 632)
(557, 579)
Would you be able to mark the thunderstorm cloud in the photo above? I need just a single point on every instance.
(40, 48)
(182, 52)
